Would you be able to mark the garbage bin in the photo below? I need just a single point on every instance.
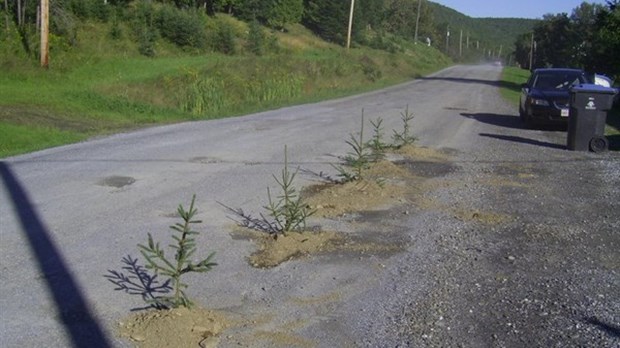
(589, 105)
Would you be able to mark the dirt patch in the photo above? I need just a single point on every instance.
(384, 185)
(180, 327)
(273, 251)
(424, 153)
(32, 116)
(404, 176)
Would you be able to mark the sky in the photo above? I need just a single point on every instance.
(513, 8)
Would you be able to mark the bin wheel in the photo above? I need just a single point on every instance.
(599, 144)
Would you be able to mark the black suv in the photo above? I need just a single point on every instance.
(546, 95)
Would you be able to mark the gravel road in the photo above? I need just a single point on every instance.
(516, 245)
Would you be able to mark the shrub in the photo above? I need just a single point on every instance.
(181, 27)
(224, 40)
(143, 25)
(256, 38)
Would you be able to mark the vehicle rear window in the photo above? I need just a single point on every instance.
(557, 80)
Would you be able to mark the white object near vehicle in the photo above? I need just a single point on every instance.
(602, 80)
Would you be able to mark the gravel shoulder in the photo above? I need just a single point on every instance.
(508, 241)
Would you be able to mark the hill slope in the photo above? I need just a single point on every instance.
(490, 32)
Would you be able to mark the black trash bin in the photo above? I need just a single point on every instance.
(589, 105)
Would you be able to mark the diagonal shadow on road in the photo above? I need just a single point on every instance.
(79, 323)
(507, 121)
(523, 140)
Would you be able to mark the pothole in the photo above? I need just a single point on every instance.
(205, 160)
(428, 169)
(116, 181)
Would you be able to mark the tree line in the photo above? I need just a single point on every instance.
(588, 38)
(375, 24)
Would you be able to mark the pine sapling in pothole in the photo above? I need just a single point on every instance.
(358, 159)
(181, 264)
(288, 209)
(376, 144)
(404, 137)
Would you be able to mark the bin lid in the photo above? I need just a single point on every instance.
(592, 88)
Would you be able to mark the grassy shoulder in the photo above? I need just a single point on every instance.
(98, 91)
(511, 81)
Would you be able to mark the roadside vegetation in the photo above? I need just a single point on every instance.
(588, 38)
(105, 85)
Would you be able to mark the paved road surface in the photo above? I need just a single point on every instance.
(69, 215)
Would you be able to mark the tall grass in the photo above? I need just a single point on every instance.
(91, 91)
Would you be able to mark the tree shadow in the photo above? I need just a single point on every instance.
(138, 281)
(321, 177)
(245, 220)
(523, 140)
(613, 120)
(610, 329)
(495, 83)
(512, 121)
(507, 121)
(72, 308)
(614, 142)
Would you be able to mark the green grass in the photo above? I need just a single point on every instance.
(16, 139)
(511, 81)
(90, 91)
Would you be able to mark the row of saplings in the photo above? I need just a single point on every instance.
(287, 212)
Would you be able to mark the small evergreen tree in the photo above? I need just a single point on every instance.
(256, 38)
(224, 40)
(282, 12)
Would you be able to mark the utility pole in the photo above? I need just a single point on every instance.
(531, 51)
(350, 24)
(417, 22)
(461, 44)
(467, 41)
(45, 18)
(448, 39)
(6, 14)
(499, 55)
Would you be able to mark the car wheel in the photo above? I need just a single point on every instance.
(599, 144)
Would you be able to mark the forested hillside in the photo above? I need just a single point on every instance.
(495, 36)
(186, 24)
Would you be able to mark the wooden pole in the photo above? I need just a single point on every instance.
(19, 13)
(417, 22)
(531, 51)
(461, 44)
(6, 14)
(448, 39)
(350, 24)
(45, 11)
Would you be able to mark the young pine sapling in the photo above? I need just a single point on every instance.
(288, 210)
(182, 263)
(404, 138)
